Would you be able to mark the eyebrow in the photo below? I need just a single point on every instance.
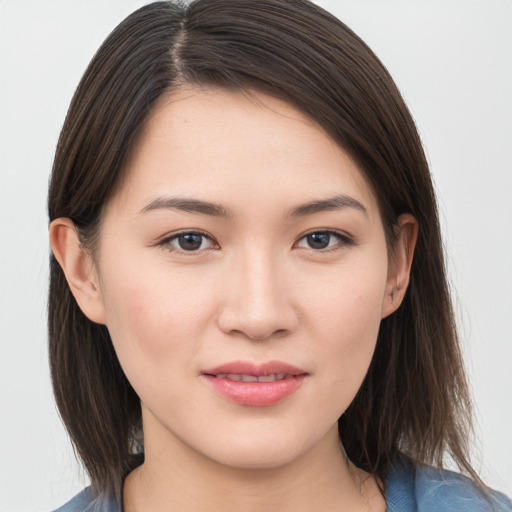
(191, 205)
(324, 205)
(188, 205)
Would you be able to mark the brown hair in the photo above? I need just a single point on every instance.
(414, 399)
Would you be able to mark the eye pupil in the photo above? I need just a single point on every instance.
(190, 242)
(318, 240)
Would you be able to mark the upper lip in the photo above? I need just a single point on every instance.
(256, 369)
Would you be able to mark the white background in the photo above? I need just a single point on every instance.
(452, 61)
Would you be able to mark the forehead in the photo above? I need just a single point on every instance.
(214, 142)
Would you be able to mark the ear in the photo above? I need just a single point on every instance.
(78, 267)
(406, 232)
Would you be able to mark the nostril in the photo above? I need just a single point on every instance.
(279, 333)
(257, 320)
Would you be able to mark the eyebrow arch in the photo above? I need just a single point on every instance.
(188, 205)
(216, 210)
(323, 205)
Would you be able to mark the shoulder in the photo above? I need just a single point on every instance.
(419, 488)
(86, 501)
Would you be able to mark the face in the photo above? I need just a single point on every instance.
(243, 272)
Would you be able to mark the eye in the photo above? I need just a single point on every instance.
(321, 240)
(188, 241)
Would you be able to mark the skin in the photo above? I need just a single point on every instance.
(253, 289)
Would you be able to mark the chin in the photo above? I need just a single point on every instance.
(256, 459)
(260, 452)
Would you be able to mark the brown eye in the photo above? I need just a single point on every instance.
(330, 240)
(190, 242)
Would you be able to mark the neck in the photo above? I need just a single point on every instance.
(175, 477)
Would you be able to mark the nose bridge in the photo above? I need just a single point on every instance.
(257, 300)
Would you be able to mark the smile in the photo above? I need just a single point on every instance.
(252, 378)
(254, 385)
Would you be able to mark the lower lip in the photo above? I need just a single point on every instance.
(256, 394)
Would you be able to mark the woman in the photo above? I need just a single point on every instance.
(248, 270)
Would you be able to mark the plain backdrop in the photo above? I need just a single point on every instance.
(452, 61)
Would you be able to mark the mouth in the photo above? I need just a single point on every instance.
(236, 377)
(255, 385)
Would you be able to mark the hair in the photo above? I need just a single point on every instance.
(414, 399)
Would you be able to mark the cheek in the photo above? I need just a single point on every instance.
(347, 327)
(154, 317)
(348, 303)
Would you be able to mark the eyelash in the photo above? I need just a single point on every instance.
(167, 242)
(343, 241)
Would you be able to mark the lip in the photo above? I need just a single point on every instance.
(255, 394)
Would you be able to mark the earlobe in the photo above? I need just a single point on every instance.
(406, 231)
(78, 267)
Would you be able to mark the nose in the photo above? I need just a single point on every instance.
(257, 301)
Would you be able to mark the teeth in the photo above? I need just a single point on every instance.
(272, 378)
(251, 378)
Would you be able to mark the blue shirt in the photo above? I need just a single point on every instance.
(409, 488)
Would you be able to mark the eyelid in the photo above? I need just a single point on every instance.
(165, 242)
(345, 240)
